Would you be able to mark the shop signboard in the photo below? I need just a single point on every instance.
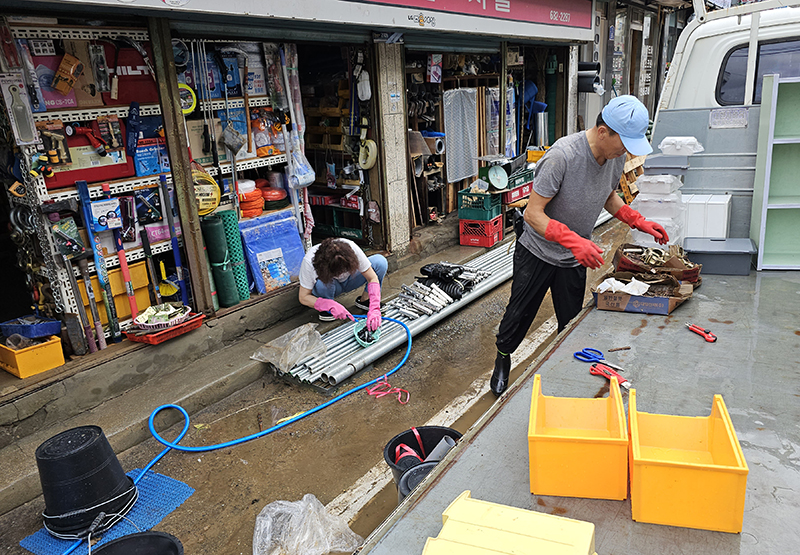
(565, 13)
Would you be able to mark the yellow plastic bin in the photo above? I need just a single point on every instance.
(687, 471)
(578, 447)
(32, 360)
(472, 526)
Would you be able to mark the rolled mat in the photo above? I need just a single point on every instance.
(227, 293)
(235, 253)
(212, 284)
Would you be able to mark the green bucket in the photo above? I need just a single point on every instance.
(360, 325)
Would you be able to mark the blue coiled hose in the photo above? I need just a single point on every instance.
(200, 449)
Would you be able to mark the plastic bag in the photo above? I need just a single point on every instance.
(301, 528)
(287, 350)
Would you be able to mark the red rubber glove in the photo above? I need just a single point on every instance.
(374, 312)
(584, 251)
(635, 220)
(337, 311)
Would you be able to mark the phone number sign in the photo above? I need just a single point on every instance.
(566, 13)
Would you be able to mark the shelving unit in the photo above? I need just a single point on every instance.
(775, 217)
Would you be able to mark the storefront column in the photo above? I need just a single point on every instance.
(178, 151)
(572, 91)
(391, 106)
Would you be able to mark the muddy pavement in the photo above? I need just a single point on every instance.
(324, 454)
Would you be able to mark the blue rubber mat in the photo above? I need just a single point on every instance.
(159, 495)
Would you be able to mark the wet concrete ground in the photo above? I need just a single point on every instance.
(324, 454)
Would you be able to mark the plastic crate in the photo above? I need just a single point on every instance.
(578, 447)
(45, 327)
(687, 471)
(32, 360)
(520, 178)
(480, 233)
(475, 527)
(478, 206)
(154, 338)
(517, 193)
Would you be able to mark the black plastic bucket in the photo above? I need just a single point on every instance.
(143, 543)
(430, 435)
(411, 479)
(81, 477)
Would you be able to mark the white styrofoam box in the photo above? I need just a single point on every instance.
(673, 227)
(659, 184)
(652, 205)
(707, 215)
(680, 146)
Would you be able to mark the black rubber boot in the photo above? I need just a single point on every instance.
(502, 367)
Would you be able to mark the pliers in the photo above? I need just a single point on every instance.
(707, 335)
(600, 369)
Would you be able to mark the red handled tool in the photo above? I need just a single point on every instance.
(707, 335)
(600, 369)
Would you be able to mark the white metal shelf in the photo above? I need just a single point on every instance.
(117, 187)
(250, 164)
(76, 33)
(88, 114)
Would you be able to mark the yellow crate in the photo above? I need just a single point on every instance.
(473, 527)
(139, 280)
(578, 447)
(32, 360)
(535, 155)
(687, 471)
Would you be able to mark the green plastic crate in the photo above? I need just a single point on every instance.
(478, 206)
(520, 178)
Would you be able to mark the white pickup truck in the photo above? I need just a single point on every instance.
(713, 92)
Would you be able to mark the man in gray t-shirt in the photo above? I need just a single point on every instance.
(574, 181)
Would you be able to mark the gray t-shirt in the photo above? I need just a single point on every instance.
(578, 186)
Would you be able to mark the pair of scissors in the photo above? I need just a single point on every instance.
(593, 355)
(600, 369)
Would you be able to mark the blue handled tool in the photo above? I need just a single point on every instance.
(593, 355)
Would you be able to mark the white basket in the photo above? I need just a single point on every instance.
(169, 323)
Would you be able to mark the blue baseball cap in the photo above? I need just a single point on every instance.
(629, 118)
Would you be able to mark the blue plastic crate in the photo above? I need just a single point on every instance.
(43, 327)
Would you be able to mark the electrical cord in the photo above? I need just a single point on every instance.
(200, 449)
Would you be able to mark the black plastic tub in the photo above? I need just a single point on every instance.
(430, 435)
(143, 543)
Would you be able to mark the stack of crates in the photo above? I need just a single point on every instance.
(480, 218)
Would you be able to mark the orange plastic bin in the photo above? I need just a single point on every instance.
(578, 447)
(687, 471)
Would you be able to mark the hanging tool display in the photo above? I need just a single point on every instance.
(704, 333)
(166, 202)
(99, 145)
(231, 138)
(123, 261)
(87, 326)
(99, 262)
(40, 165)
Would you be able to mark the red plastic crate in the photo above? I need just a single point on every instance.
(194, 322)
(479, 233)
(517, 193)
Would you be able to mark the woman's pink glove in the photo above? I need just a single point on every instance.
(585, 252)
(337, 311)
(635, 220)
(374, 312)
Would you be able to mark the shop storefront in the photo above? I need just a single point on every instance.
(231, 139)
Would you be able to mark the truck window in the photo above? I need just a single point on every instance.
(781, 57)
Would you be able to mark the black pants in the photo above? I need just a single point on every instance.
(532, 278)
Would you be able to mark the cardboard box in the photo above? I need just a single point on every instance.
(151, 157)
(624, 302)
(674, 266)
(195, 131)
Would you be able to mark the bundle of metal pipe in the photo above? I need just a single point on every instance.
(344, 356)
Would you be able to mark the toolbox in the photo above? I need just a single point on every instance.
(687, 471)
(30, 361)
(728, 257)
